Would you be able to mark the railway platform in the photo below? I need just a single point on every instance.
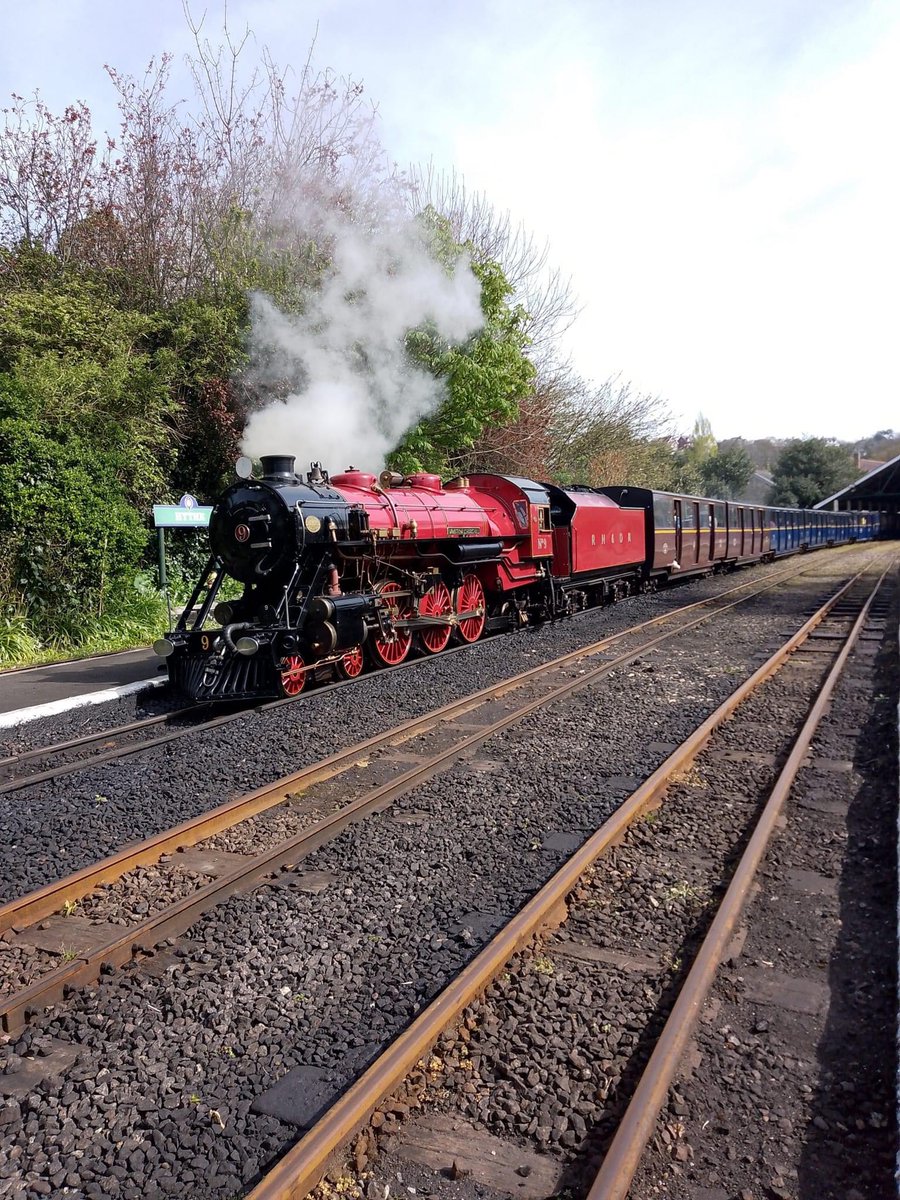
(59, 682)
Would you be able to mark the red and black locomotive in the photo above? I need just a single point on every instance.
(353, 567)
(337, 571)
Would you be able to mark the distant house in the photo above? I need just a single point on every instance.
(758, 488)
(868, 464)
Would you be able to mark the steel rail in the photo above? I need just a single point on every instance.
(16, 1008)
(24, 756)
(26, 781)
(636, 1127)
(302, 1167)
(42, 902)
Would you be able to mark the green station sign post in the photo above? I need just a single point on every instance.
(186, 514)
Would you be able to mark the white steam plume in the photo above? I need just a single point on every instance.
(353, 392)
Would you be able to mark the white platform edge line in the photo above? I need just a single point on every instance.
(51, 709)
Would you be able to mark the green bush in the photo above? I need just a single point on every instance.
(68, 537)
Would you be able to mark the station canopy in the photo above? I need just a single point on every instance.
(876, 491)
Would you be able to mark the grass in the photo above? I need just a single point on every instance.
(134, 616)
(17, 643)
(682, 891)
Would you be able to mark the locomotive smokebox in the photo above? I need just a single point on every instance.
(278, 468)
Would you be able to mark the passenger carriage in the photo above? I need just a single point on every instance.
(688, 535)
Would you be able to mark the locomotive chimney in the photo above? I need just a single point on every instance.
(278, 468)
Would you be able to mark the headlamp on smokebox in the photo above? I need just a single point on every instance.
(224, 613)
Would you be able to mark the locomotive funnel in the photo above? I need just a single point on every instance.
(278, 467)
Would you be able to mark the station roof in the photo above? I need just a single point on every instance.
(877, 488)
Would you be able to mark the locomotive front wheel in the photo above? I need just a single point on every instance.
(437, 602)
(293, 675)
(470, 600)
(389, 651)
(351, 664)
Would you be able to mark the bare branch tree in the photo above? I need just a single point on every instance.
(48, 171)
(279, 153)
(541, 289)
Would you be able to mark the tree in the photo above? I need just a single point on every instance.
(85, 442)
(186, 197)
(75, 364)
(724, 475)
(607, 434)
(703, 443)
(49, 172)
(807, 470)
(883, 445)
(472, 220)
(69, 539)
(485, 379)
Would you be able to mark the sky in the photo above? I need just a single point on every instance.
(720, 180)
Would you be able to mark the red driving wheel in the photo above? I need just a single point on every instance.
(351, 664)
(389, 651)
(293, 675)
(470, 600)
(436, 602)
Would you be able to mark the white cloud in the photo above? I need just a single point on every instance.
(742, 261)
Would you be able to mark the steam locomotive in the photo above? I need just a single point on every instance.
(341, 570)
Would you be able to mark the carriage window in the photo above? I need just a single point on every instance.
(544, 519)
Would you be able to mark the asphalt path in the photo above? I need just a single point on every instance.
(59, 681)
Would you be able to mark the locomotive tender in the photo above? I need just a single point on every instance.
(337, 570)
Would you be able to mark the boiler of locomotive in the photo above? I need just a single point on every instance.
(260, 528)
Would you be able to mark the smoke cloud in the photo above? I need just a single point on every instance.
(352, 391)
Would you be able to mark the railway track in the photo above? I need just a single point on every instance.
(37, 765)
(830, 634)
(374, 773)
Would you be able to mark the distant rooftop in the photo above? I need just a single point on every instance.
(878, 488)
(868, 464)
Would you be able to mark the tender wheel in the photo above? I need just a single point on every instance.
(471, 608)
(351, 664)
(437, 602)
(293, 675)
(388, 652)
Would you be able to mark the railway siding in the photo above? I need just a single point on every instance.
(792, 1088)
